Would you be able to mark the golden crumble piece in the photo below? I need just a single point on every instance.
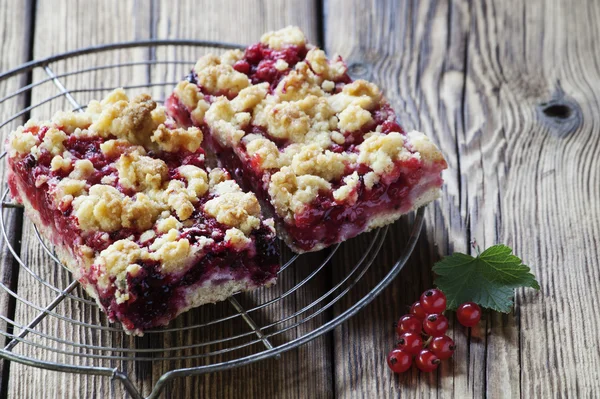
(222, 78)
(235, 209)
(67, 189)
(428, 151)
(129, 120)
(237, 239)
(322, 66)
(266, 151)
(288, 36)
(58, 162)
(190, 96)
(290, 193)
(140, 213)
(313, 160)
(82, 169)
(347, 192)
(283, 120)
(140, 172)
(379, 151)
(171, 251)
(53, 141)
(249, 97)
(360, 93)
(216, 176)
(299, 83)
(230, 57)
(22, 142)
(353, 118)
(169, 223)
(114, 148)
(99, 210)
(175, 140)
(226, 123)
(197, 179)
(179, 199)
(117, 258)
(70, 121)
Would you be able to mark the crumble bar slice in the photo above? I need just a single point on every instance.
(322, 152)
(125, 198)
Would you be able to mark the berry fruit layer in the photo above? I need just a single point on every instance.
(147, 229)
(323, 153)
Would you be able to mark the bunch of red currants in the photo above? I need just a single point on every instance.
(422, 333)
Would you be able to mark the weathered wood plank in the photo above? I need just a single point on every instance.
(88, 23)
(15, 44)
(477, 77)
(542, 88)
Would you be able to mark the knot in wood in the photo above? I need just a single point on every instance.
(563, 115)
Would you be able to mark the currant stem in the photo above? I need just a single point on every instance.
(427, 342)
(475, 246)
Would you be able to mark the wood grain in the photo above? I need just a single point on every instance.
(88, 23)
(477, 77)
(14, 17)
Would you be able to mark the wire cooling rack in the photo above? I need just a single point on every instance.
(51, 323)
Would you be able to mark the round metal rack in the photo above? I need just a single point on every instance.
(52, 324)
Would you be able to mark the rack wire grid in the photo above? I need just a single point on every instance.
(51, 323)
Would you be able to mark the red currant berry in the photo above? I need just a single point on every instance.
(433, 301)
(390, 126)
(409, 323)
(242, 66)
(254, 53)
(399, 360)
(443, 347)
(468, 314)
(266, 71)
(411, 343)
(435, 325)
(427, 361)
(417, 310)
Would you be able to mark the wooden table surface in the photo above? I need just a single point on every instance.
(509, 90)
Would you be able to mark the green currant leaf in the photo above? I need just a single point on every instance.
(489, 280)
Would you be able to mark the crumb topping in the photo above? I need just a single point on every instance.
(179, 139)
(189, 94)
(291, 193)
(347, 192)
(140, 172)
(225, 122)
(288, 36)
(423, 145)
(302, 122)
(379, 151)
(236, 238)
(221, 78)
(235, 209)
(319, 63)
